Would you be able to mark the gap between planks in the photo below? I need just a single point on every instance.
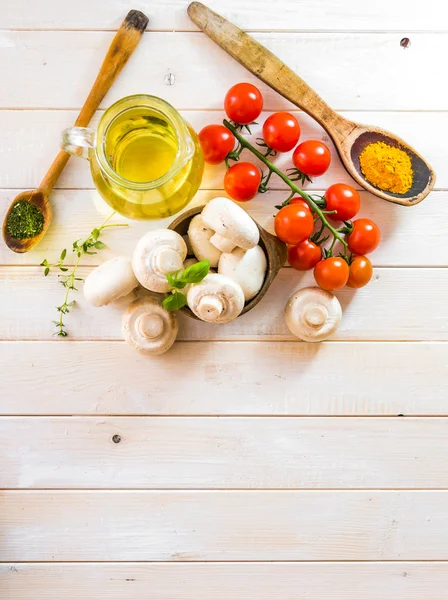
(219, 562)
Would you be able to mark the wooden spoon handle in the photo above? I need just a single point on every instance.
(262, 63)
(123, 45)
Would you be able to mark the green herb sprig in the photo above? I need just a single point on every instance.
(179, 279)
(68, 281)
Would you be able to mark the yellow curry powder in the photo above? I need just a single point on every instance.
(387, 167)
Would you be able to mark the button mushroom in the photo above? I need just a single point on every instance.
(312, 314)
(232, 225)
(158, 253)
(216, 299)
(199, 235)
(110, 281)
(245, 267)
(148, 327)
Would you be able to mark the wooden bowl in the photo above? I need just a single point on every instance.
(275, 250)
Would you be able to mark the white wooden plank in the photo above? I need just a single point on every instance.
(36, 134)
(405, 231)
(245, 378)
(223, 453)
(221, 581)
(57, 69)
(229, 526)
(382, 15)
(396, 305)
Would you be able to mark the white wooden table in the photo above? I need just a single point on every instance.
(248, 465)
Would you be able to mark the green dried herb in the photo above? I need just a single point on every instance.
(24, 221)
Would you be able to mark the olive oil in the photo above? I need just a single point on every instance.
(154, 161)
(141, 148)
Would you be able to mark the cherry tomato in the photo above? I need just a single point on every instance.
(304, 256)
(312, 157)
(216, 142)
(241, 181)
(293, 224)
(300, 202)
(281, 131)
(361, 272)
(344, 199)
(243, 103)
(331, 273)
(364, 238)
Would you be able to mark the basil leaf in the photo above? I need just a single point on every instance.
(171, 280)
(196, 272)
(174, 301)
(174, 282)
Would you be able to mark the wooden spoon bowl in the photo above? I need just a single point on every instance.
(40, 201)
(275, 250)
(350, 138)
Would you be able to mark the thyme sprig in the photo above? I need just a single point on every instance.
(316, 205)
(68, 277)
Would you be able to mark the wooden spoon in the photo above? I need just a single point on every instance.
(349, 138)
(121, 48)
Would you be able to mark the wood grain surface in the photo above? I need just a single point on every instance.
(198, 581)
(245, 464)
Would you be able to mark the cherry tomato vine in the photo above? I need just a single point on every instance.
(315, 204)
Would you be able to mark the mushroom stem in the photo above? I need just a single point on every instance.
(168, 261)
(222, 243)
(150, 326)
(314, 315)
(209, 308)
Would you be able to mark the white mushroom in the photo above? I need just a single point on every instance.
(312, 314)
(216, 299)
(110, 281)
(158, 253)
(199, 235)
(245, 267)
(148, 327)
(233, 226)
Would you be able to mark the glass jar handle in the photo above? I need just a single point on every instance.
(78, 141)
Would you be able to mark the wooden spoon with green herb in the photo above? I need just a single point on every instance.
(25, 226)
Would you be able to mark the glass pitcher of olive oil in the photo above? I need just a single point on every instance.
(146, 161)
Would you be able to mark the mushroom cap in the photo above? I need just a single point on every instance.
(110, 281)
(148, 327)
(313, 314)
(158, 253)
(245, 267)
(216, 299)
(199, 235)
(233, 226)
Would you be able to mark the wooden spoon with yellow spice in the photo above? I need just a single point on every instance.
(377, 147)
(30, 212)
